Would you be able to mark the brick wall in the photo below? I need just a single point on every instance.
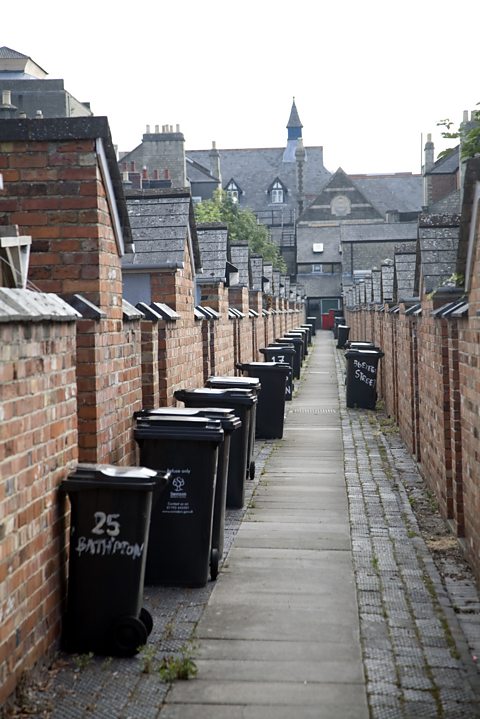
(55, 190)
(38, 409)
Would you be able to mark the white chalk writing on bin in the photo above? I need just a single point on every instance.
(108, 547)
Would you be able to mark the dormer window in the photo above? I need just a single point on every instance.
(277, 193)
(233, 191)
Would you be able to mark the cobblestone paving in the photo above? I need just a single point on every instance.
(419, 658)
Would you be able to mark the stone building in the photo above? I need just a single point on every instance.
(27, 91)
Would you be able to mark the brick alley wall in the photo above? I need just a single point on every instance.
(38, 449)
(430, 385)
(69, 389)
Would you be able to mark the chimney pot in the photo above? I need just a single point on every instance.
(166, 174)
(144, 173)
(39, 115)
(132, 166)
(6, 97)
(178, 128)
(155, 174)
(465, 115)
(156, 129)
(148, 129)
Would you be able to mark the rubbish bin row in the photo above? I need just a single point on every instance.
(163, 523)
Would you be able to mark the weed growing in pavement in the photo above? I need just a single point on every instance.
(147, 658)
(82, 661)
(177, 667)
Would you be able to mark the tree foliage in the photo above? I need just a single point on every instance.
(469, 136)
(242, 226)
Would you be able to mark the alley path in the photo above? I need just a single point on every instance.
(280, 635)
(328, 606)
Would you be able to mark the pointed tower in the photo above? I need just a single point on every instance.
(294, 127)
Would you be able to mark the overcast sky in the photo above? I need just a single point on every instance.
(370, 78)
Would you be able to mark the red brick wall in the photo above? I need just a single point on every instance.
(149, 359)
(469, 371)
(238, 298)
(38, 408)
(407, 377)
(180, 343)
(55, 191)
(222, 330)
(434, 414)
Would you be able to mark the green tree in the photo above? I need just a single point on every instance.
(469, 136)
(242, 226)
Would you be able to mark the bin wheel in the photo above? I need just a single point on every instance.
(252, 470)
(214, 562)
(146, 619)
(129, 634)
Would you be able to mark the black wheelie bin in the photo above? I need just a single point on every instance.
(230, 423)
(361, 381)
(109, 526)
(180, 539)
(313, 322)
(284, 355)
(242, 402)
(297, 343)
(271, 401)
(342, 335)
(303, 333)
(252, 384)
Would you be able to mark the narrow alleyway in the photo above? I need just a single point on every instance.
(329, 605)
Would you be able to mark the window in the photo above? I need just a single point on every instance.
(276, 193)
(329, 268)
(233, 191)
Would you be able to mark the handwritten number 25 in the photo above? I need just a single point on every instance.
(106, 523)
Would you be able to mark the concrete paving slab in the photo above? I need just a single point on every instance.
(286, 651)
(247, 621)
(343, 672)
(260, 711)
(275, 694)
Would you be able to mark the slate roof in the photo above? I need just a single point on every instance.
(340, 185)
(447, 205)
(212, 241)
(294, 119)
(437, 248)
(469, 218)
(372, 196)
(447, 164)
(8, 53)
(256, 272)
(255, 169)
(160, 222)
(405, 263)
(402, 192)
(239, 256)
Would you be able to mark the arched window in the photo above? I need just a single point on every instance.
(277, 193)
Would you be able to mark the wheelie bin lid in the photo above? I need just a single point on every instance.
(226, 416)
(200, 429)
(228, 381)
(109, 476)
(263, 367)
(288, 349)
(231, 396)
(291, 338)
(364, 353)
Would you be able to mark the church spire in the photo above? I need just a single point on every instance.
(294, 126)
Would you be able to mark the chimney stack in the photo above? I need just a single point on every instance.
(429, 162)
(215, 162)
